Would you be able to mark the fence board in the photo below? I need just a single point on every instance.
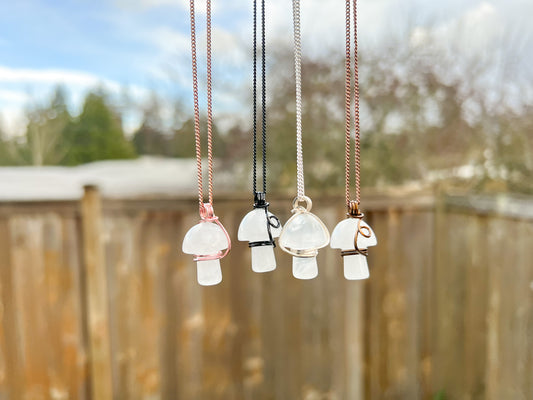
(97, 296)
(448, 307)
(12, 384)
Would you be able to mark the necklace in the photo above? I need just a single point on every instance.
(352, 235)
(208, 240)
(260, 227)
(304, 233)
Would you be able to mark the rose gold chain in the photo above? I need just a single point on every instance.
(348, 99)
(347, 102)
(209, 106)
(356, 110)
(197, 107)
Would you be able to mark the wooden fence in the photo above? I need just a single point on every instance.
(98, 302)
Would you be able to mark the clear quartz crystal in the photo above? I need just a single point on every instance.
(342, 237)
(209, 272)
(263, 259)
(304, 267)
(356, 267)
(205, 239)
(253, 228)
(304, 231)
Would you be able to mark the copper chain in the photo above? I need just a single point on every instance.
(197, 107)
(348, 99)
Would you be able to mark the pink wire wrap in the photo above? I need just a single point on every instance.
(208, 215)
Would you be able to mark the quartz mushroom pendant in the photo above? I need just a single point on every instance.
(303, 234)
(354, 236)
(259, 228)
(208, 241)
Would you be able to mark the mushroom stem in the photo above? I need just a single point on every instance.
(356, 267)
(263, 258)
(209, 272)
(304, 267)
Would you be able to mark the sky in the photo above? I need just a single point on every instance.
(135, 46)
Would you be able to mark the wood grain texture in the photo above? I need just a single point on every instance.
(97, 298)
(448, 308)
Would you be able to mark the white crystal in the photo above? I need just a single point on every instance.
(205, 238)
(253, 227)
(356, 267)
(304, 231)
(343, 235)
(209, 272)
(304, 267)
(263, 259)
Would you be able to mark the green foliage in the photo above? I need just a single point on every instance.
(43, 139)
(151, 138)
(96, 134)
(183, 141)
(422, 119)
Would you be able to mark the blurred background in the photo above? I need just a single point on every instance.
(97, 189)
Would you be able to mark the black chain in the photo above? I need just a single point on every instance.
(263, 96)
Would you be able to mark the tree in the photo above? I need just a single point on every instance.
(96, 134)
(6, 156)
(183, 140)
(43, 139)
(150, 138)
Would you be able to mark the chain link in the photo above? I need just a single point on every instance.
(356, 111)
(263, 97)
(298, 79)
(209, 105)
(348, 103)
(197, 133)
(263, 91)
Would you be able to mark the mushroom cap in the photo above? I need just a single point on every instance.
(253, 227)
(304, 231)
(205, 238)
(343, 235)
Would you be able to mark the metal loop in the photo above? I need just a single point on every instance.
(364, 230)
(207, 213)
(276, 223)
(301, 199)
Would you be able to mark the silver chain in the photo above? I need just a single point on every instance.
(298, 79)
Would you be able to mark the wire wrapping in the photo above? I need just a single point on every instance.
(197, 132)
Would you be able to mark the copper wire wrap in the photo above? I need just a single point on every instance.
(348, 103)
(197, 107)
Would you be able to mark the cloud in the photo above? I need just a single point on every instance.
(146, 4)
(35, 86)
(34, 78)
(47, 76)
(13, 96)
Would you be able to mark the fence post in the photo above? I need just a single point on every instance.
(97, 299)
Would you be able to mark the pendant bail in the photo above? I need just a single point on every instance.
(353, 210)
(207, 213)
(260, 200)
